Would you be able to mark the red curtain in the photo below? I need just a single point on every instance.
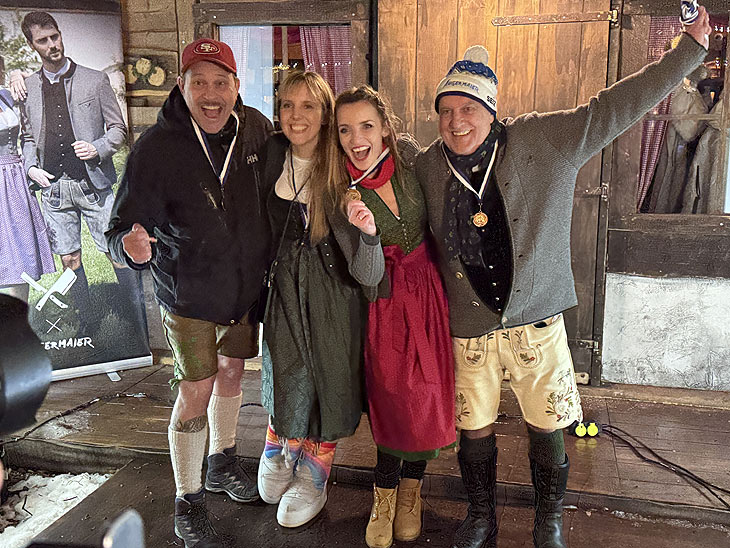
(661, 32)
(328, 51)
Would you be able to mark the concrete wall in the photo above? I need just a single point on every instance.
(667, 332)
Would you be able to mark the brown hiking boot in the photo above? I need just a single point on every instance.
(408, 509)
(379, 532)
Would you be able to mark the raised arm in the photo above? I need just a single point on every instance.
(581, 132)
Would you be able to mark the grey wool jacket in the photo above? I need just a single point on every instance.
(535, 172)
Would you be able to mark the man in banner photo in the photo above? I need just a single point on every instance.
(71, 127)
(189, 208)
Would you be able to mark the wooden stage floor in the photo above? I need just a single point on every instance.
(691, 428)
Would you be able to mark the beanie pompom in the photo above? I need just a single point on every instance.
(477, 54)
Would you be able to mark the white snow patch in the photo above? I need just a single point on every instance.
(673, 522)
(38, 501)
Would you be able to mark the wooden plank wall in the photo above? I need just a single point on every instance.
(397, 57)
(538, 66)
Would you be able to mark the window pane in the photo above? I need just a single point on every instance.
(266, 54)
(253, 48)
(683, 150)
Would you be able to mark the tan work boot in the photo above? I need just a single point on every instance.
(379, 533)
(407, 525)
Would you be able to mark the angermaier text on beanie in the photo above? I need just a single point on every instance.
(471, 77)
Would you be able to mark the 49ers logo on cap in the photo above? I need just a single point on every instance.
(207, 47)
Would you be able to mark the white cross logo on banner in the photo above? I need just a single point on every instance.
(60, 286)
(54, 325)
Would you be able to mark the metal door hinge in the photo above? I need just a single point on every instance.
(601, 191)
(611, 16)
(592, 345)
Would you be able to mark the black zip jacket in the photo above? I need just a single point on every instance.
(212, 242)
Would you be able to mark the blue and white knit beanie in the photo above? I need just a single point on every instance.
(471, 77)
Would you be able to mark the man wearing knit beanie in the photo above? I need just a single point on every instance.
(500, 198)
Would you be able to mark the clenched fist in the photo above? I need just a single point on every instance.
(360, 216)
(137, 244)
(84, 150)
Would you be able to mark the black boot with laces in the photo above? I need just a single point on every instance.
(479, 529)
(550, 483)
(226, 475)
(192, 524)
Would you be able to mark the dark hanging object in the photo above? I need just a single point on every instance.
(25, 371)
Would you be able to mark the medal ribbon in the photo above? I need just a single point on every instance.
(223, 175)
(354, 171)
(463, 179)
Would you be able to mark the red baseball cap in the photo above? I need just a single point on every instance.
(207, 49)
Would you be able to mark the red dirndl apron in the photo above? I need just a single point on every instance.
(409, 364)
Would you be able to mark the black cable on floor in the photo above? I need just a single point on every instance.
(631, 441)
(663, 459)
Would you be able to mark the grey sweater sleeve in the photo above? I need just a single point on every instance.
(581, 132)
(364, 254)
(368, 262)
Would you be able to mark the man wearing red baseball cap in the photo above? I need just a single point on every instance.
(188, 207)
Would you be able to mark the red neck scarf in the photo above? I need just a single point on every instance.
(383, 175)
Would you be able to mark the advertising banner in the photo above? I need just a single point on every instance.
(63, 146)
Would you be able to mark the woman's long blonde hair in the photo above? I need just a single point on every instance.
(319, 176)
(339, 178)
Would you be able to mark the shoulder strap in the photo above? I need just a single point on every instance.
(275, 261)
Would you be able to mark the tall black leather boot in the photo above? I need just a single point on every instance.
(549, 483)
(479, 529)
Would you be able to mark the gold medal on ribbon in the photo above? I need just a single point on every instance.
(480, 219)
(352, 194)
